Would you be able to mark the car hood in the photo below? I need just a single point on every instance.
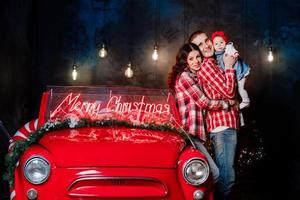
(113, 146)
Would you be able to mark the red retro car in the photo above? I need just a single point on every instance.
(107, 143)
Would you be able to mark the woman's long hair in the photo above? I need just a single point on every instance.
(181, 63)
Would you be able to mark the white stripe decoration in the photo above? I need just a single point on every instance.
(12, 195)
(36, 123)
(27, 127)
(19, 134)
(10, 145)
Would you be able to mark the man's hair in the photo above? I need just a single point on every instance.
(195, 34)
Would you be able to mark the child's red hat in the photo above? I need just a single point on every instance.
(220, 34)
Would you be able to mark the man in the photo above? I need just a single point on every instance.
(222, 125)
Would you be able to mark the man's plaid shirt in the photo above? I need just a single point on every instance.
(218, 84)
(191, 101)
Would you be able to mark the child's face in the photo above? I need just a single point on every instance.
(219, 43)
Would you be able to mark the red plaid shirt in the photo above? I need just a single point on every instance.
(191, 101)
(218, 84)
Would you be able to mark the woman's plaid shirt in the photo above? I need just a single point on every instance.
(218, 84)
(191, 101)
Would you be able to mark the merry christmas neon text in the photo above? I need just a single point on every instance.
(135, 111)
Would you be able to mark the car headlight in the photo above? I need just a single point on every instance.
(195, 171)
(37, 170)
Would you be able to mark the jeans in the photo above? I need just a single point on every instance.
(213, 167)
(224, 143)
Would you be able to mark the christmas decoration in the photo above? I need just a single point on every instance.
(247, 156)
(12, 158)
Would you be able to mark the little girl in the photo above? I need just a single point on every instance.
(221, 46)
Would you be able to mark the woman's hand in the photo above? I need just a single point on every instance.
(234, 103)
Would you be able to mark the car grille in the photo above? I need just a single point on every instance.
(109, 187)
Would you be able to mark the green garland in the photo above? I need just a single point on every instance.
(12, 158)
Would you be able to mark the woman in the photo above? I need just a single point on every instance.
(190, 99)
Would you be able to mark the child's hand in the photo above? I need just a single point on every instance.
(229, 61)
(230, 50)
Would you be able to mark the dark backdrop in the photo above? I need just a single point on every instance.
(41, 40)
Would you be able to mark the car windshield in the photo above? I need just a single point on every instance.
(131, 104)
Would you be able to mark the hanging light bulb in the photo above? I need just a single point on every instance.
(74, 73)
(155, 53)
(270, 55)
(103, 51)
(128, 71)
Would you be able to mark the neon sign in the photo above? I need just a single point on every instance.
(137, 109)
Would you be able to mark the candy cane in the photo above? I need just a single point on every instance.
(22, 134)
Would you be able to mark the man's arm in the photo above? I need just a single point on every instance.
(192, 89)
(224, 85)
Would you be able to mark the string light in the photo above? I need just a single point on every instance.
(156, 24)
(271, 28)
(74, 73)
(128, 71)
(155, 53)
(270, 55)
(103, 51)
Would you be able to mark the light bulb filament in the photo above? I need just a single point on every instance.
(155, 53)
(270, 55)
(74, 73)
(103, 52)
(128, 71)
